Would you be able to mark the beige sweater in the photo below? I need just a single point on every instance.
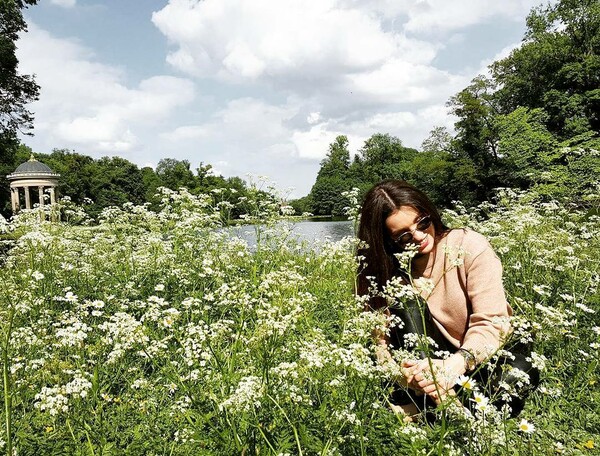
(468, 303)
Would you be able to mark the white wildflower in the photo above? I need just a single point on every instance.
(466, 382)
(37, 275)
(481, 402)
(246, 396)
(585, 308)
(526, 427)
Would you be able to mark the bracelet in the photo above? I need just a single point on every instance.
(469, 357)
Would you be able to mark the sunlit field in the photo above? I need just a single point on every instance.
(157, 333)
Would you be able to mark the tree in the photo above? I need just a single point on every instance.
(15, 90)
(545, 95)
(115, 181)
(204, 172)
(439, 140)
(109, 181)
(301, 205)
(176, 173)
(75, 171)
(557, 68)
(476, 130)
(431, 172)
(337, 161)
(384, 157)
(150, 182)
(526, 145)
(332, 180)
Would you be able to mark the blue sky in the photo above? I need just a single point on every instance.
(257, 87)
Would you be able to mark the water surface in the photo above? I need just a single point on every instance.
(305, 230)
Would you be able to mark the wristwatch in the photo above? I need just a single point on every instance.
(469, 357)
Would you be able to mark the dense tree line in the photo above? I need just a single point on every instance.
(534, 122)
(111, 181)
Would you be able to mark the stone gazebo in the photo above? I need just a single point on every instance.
(32, 173)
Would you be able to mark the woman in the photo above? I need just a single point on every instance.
(466, 314)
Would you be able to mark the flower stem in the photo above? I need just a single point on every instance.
(6, 380)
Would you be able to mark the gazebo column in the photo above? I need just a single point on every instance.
(27, 197)
(52, 195)
(14, 198)
(41, 193)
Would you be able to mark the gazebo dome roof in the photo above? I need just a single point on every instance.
(31, 170)
(33, 167)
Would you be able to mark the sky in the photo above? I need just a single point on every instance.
(253, 87)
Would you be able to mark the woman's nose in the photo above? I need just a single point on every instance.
(419, 235)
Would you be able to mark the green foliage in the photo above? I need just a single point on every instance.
(431, 171)
(572, 176)
(557, 68)
(476, 132)
(151, 183)
(302, 205)
(439, 140)
(527, 147)
(332, 180)
(16, 90)
(76, 172)
(115, 182)
(542, 97)
(381, 157)
(175, 174)
(326, 195)
(476, 141)
(12, 154)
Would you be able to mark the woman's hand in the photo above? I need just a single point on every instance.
(437, 383)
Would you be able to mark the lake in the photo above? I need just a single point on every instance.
(308, 230)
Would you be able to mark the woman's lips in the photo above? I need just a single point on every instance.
(424, 243)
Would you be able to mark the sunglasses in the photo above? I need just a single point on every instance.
(407, 237)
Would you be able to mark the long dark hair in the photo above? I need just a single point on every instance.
(378, 250)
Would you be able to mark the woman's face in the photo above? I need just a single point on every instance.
(405, 220)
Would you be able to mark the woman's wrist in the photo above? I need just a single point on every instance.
(470, 362)
(457, 363)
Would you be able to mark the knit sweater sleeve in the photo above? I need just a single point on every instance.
(488, 317)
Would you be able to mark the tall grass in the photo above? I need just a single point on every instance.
(155, 333)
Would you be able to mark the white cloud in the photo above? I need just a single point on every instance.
(313, 118)
(399, 81)
(240, 40)
(313, 143)
(342, 55)
(86, 103)
(252, 122)
(442, 16)
(410, 126)
(64, 3)
(291, 42)
(254, 131)
(186, 132)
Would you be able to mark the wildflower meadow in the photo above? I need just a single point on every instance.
(157, 332)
